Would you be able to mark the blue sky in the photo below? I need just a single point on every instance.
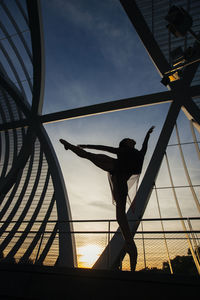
(94, 55)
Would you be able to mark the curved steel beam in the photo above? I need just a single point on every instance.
(14, 131)
(24, 212)
(145, 35)
(18, 97)
(2, 3)
(67, 255)
(18, 181)
(22, 11)
(9, 180)
(40, 232)
(66, 241)
(48, 245)
(13, 46)
(35, 24)
(36, 238)
(10, 63)
(6, 146)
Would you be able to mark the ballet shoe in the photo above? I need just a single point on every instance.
(65, 144)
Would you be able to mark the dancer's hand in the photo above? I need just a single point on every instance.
(151, 129)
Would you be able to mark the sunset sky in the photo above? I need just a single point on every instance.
(94, 55)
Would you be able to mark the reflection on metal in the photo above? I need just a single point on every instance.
(31, 183)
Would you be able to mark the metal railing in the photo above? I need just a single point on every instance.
(158, 249)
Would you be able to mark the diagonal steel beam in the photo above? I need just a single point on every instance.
(181, 95)
(107, 107)
(116, 246)
(192, 112)
(90, 110)
(145, 35)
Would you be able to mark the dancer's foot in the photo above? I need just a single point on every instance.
(65, 143)
(132, 251)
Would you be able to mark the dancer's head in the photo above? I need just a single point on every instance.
(127, 143)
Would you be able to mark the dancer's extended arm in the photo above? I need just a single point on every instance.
(100, 147)
(145, 143)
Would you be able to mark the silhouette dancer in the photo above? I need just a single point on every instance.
(129, 161)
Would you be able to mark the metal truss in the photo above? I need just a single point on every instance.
(180, 95)
(31, 182)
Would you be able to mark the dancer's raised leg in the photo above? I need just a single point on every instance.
(102, 161)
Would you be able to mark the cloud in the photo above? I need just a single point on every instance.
(108, 27)
(119, 68)
(93, 55)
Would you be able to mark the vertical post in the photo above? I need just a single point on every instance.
(186, 170)
(108, 261)
(145, 265)
(196, 250)
(194, 139)
(162, 225)
(181, 218)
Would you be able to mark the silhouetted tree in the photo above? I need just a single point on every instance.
(196, 251)
(152, 270)
(181, 265)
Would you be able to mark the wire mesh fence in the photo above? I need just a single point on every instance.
(159, 251)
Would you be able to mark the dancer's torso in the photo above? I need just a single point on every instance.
(129, 162)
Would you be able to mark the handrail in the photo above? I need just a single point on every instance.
(106, 231)
(107, 220)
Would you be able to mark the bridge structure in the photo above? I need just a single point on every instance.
(32, 190)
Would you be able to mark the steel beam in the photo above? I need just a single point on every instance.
(36, 29)
(181, 95)
(107, 107)
(145, 35)
(116, 245)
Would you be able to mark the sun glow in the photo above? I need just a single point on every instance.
(88, 254)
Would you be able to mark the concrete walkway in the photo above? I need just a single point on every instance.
(39, 282)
